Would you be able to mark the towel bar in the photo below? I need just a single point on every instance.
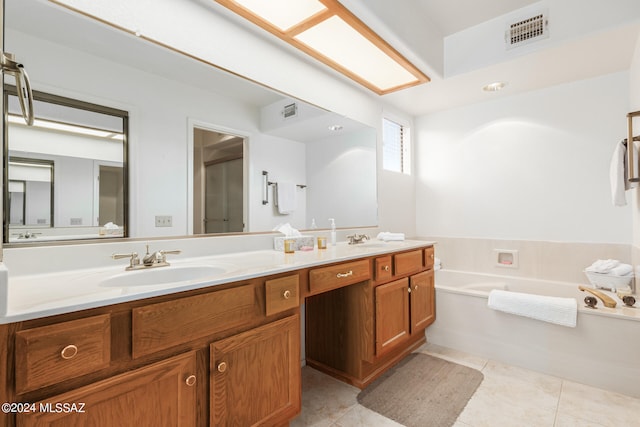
(267, 184)
(630, 137)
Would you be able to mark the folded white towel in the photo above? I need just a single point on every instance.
(618, 174)
(386, 236)
(561, 311)
(621, 270)
(286, 197)
(603, 265)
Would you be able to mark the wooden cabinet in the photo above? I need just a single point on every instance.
(49, 354)
(392, 315)
(255, 376)
(162, 394)
(358, 331)
(423, 300)
(404, 308)
(223, 356)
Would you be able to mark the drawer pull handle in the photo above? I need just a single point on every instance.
(386, 268)
(222, 367)
(69, 352)
(347, 274)
(287, 294)
(191, 380)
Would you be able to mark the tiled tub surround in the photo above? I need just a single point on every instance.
(602, 350)
(546, 260)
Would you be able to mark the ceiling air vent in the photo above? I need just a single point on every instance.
(527, 31)
(290, 111)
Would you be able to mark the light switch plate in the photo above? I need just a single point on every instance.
(164, 221)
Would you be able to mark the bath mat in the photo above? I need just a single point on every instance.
(422, 391)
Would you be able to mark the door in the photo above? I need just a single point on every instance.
(110, 195)
(224, 197)
(392, 315)
(162, 394)
(255, 376)
(422, 299)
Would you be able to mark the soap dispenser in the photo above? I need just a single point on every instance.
(333, 231)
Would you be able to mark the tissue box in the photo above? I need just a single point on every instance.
(300, 241)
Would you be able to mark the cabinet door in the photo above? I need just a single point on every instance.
(255, 375)
(162, 394)
(392, 315)
(423, 303)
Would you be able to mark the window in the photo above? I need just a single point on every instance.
(396, 147)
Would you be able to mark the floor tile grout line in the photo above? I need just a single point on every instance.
(555, 419)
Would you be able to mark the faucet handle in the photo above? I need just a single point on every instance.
(134, 260)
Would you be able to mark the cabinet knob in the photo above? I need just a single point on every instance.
(415, 288)
(69, 352)
(222, 367)
(386, 268)
(347, 274)
(287, 294)
(431, 256)
(191, 380)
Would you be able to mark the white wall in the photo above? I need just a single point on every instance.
(328, 162)
(533, 166)
(285, 161)
(634, 105)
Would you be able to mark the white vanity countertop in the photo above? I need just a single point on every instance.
(40, 295)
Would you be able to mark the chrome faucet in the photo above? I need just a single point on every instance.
(157, 258)
(150, 260)
(357, 238)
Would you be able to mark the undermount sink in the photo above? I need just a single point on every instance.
(163, 275)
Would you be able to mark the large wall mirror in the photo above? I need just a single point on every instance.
(66, 174)
(181, 112)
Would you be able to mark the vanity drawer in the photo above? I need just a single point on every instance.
(54, 353)
(429, 257)
(282, 294)
(383, 268)
(167, 324)
(337, 276)
(407, 262)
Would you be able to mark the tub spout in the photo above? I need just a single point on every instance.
(606, 299)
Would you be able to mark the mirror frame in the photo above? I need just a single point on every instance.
(72, 103)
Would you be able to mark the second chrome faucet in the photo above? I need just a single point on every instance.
(150, 260)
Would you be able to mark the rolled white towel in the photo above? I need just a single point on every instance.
(603, 265)
(387, 236)
(621, 270)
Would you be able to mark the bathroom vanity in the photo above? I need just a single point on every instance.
(222, 354)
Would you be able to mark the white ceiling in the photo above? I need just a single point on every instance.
(597, 50)
(452, 16)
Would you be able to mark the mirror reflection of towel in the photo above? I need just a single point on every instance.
(286, 197)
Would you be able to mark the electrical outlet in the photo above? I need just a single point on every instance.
(164, 220)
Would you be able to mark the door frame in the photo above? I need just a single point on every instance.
(193, 124)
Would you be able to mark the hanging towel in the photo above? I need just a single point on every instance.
(618, 174)
(286, 197)
(561, 311)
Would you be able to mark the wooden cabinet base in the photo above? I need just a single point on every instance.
(371, 371)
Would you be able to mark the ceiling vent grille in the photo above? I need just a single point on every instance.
(289, 111)
(527, 31)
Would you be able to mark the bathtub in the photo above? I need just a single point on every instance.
(603, 350)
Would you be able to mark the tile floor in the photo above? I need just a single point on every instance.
(508, 396)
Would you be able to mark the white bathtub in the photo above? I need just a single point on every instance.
(603, 350)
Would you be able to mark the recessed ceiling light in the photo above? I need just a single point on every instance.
(494, 87)
(335, 127)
